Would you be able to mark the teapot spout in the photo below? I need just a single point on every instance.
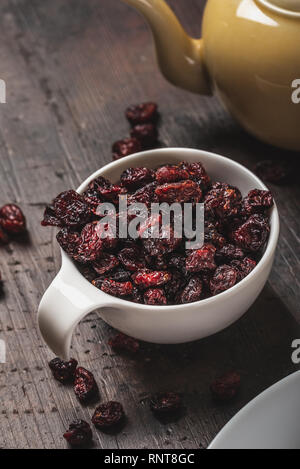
(180, 57)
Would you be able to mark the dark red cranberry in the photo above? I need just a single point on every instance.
(85, 386)
(257, 201)
(147, 134)
(165, 402)
(192, 291)
(64, 372)
(12, 219)
(133, 178)
(3, 237)
(253, 234)
(106, 263)
(155, 296)
(201, 259)
(71, 209)
(119, 289)
(179, 192)
(79, 434)
(126, 147)
(108, 415)
(147, 279)
(124, 343)
(226, 387)
(225, 277)
(50, 219)
(223, 201)
(171, 173)
(272, 171)
(142, 113)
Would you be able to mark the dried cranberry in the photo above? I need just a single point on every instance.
(145, 195)
(90, 246)
(148, 226)
(126, 147)
(223, 201)
(142, 113)
(253, 234)
(64, 372)
(105, 264)
(147, 134)
(171, 173)
(131, 259)
(197, 173)
(201, 259)
(273, 171)
(226, 387)
(177, 261)
(12, 219)
(119, 275)
(93, 199)
(106, 189)
(155, 296)
(108, 415)
(124, 343)
(165, 402)
(225, 277)
(257, 201)
(85, 386)
(192, 291)
(133, 178)
(179, 192)
(147, 278)
(228, 253)
(117, 288)
(175, 286)
(50, 219)
(244, 267)
(79, 434)
(3, 237)
(88, 272)
(212, 235)
(165, 244)
(71, 209)
(69, 240)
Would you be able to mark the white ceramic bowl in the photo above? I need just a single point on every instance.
(71, 297)
(270, 421)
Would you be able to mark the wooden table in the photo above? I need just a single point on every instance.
(71, 68)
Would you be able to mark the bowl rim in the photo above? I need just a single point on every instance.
(269, 250)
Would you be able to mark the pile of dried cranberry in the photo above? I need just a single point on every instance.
(161, 271)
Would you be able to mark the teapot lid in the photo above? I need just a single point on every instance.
(286, 7)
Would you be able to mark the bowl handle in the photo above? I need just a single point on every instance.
(67, 301)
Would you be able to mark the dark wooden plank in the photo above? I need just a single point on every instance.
(71, 69)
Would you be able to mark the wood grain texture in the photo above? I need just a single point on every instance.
(71, 69)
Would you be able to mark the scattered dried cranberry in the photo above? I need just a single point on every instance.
(64, 372)
(192, 291)
(12, 219)
(79, 434)
(179, 192)
(165, 402)
(147, 134)
(85, 386)
(114, 288)
(258, 201)
(124, 343)
(225, 277)
(126, 147)
(273, 171)
(253, 234)
(105, 264)
(133, 178)
(155, 296)
(226, 387)
(142, 113)
(108, 415)
(201, 259)
(147, 278)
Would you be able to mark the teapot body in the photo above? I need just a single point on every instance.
(252, 55)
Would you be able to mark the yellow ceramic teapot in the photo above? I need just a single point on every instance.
(249, 56)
